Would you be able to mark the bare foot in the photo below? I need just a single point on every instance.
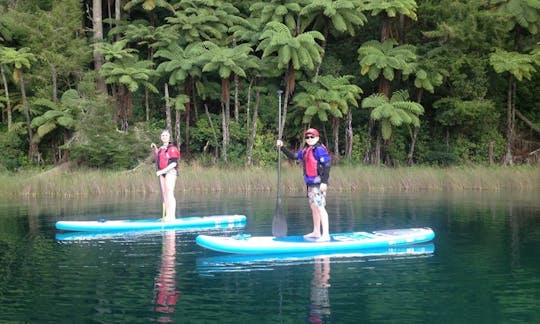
(324, 238)
(312, 235)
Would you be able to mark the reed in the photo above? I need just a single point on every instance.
(194, 178)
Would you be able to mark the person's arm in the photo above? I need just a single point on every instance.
(324, 166)
(289, 154)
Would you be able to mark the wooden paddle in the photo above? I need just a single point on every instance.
(279, 222)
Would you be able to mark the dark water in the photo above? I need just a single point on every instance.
(485, 267)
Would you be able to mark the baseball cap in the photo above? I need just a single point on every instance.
(312, 131)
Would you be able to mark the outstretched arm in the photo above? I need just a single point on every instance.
(289, 154)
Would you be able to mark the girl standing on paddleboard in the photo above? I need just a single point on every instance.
(167, 156)
(316, 161)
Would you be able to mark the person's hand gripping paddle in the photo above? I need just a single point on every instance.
(279, 222)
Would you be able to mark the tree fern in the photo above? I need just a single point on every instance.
(519, 65)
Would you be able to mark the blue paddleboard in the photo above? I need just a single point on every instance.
(247, 244)
(189, 223)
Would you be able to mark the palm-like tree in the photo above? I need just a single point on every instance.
(20, 60)
(283, 11)
(128, 73)
(518, 67)
(58, 117)
(388, 10)
(3, 67)
(301, 52)
(426, 77)
(382, 61)
(227, 62)
(336, 17)
(183, 67)
(328, 97)
(393, 112)
(521, 15)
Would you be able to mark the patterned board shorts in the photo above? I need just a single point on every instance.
(316, 196)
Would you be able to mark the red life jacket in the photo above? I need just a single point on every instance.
(164, 155)
(310, 162)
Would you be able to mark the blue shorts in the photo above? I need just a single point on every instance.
(316, 196)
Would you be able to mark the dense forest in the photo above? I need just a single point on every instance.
(394, 83)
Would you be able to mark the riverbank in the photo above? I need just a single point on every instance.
(141, 181)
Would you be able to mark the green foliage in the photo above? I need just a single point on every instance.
(393, 8)
(328, 96)
(98, 144)
(341, 16)
(301, 51)
(264, 149)
(521, 66)
(384, 59)
(62, 115)
(12, 147)
(393, 112)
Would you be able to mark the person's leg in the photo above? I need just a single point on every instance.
(170, 203)
(313, 194)
(323, 216)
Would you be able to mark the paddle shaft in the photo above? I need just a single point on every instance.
(279, 223)
(279, 150)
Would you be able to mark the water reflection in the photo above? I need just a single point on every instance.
(166, 295)
(319, 307)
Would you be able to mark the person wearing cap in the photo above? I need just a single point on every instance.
(316, 165)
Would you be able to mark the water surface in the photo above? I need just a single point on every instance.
(485, 265)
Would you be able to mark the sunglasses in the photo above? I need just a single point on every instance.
(309, 137)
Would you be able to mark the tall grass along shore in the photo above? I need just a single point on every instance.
(141, 181)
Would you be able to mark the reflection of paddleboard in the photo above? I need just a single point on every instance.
(188, 223)
(245, 262)
(246, 244)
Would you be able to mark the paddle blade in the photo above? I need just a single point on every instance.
(279, 223)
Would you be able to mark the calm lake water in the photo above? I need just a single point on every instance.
(484, 265)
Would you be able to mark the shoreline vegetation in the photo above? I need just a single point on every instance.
(64, 182)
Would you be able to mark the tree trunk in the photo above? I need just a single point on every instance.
(8, 103)
(187, 107)
(378, 149)
(349, 136)
(335, 134)
(410, 160)
(214, 134)
(236, 100)
(167, 109)
(124, 107)
(367, 155)
(223, 132)
(289, 90)
(97, 23)
(32, 148)
(251, 141)
(508, 158)
(177, 133)
(226, 115)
